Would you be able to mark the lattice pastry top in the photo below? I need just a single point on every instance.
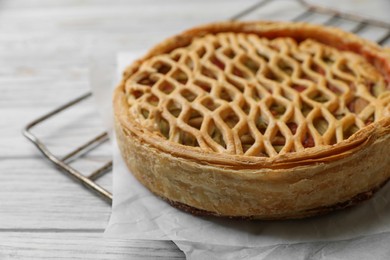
(257, 93)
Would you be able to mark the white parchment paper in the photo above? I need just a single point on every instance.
(138, 214)
(362, 232)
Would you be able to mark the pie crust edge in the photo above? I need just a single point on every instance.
(263, 193)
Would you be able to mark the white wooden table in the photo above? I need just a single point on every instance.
(44, 51)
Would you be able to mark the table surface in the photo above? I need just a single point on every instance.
(45, 47)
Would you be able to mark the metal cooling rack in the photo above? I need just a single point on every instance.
(89, 180)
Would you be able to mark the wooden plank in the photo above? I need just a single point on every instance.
(44, 4)
(45, 48)
(71, 245)
(36, 195)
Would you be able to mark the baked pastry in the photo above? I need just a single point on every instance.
(264, 120)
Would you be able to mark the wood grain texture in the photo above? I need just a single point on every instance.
(45, 52)
(35, 195)
(81, 245)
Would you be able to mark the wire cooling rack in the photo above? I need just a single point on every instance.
(357, 24)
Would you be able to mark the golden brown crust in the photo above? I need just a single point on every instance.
(285, 185)
(260, 193)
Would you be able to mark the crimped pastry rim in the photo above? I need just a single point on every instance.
(339, 39)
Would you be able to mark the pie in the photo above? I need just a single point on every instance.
(258, 120)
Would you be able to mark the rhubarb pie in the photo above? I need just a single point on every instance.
(263, 120)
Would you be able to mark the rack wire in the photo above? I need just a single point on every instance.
(89, 179)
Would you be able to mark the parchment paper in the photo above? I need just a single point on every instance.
(138, 214)
(361, 232)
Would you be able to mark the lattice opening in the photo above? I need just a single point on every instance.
(180, 76)
(210, 104)
(247, 140)
(201, 52)
(145, 113)
(370, 119)
(146, 80)
(176, 56)
(334, 88)
(216, 134)
(166, 87)
(229, 53)
(240, 73)
(163, 126)
(350, 130)
(189, 63)
(339, 115)
(288, 94)
(317, 69)
(203, 85)
(357, 105)
(187, 139)
(278, 141)
(188, 95)
(342, 78)
(263, 56)
(230, 118)
(153, 100)
(293, 127)
(376, 88)
(136, 94)
(261, 124)
(319, 96)
(307, 77)
(298, 87)
(333, 139)
(285, 67)
(306, 108)
(216, 45)
(255, 95)
(308, 140)
(162, 68)
(195, 119)
(225, 95)
(343, 67)
(249, 63)
(277, 109)
(239, 86)
(209, 73)
(328, 59)
(174, 108)
(243, 47)
(217, 62)
(245, 107)
(269, 74)
(321, 125)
